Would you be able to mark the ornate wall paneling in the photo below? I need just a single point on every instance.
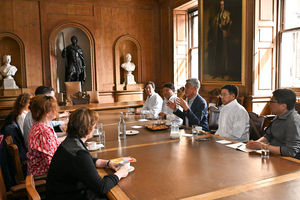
(11, 44)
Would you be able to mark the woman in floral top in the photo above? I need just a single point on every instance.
(42, 142)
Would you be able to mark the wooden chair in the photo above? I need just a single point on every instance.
(14, 153)
(72, 88)
(15, 192)
(256, 126)
(60, 99)
(94, 96)
(30, 188)
(240, 100)
(213, 118)
(297, 107)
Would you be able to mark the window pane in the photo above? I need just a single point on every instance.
(194, 63)
(291, 14)
(195, 32)
(290, 59)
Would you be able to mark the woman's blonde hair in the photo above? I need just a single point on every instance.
(81, 122)
(41, 104)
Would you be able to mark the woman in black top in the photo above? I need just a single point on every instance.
(73, 173)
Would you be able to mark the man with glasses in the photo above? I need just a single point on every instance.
(153, 102)
(194, 109)
(233, 119)
(283, 133)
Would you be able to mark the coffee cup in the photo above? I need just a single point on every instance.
(91, 145)
(125, 162)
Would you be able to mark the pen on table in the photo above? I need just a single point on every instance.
(239, 146)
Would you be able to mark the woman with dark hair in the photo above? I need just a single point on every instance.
(21, 108)
(73, 174)
(42, 142)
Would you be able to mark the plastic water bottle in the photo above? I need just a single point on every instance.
(121, 128)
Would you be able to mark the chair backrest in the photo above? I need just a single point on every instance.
(94, 96)
(14, 153)
(240, 100)
(297, 107)
(72, 88)
(60, 98)
(30, 188)
(256, 126)
(213, 117)
(2, 187)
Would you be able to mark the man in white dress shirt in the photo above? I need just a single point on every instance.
(169, 95)
(153, 102)
(233, 119)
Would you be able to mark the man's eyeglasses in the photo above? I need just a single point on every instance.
(223, 95)
(273, 101)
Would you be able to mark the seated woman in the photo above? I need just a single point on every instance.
(73, 173)
(21, 108)
(42, 142)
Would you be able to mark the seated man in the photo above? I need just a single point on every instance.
(28, 122)
(195, 109)
(169, 95)
(283, 133)
(153, 102)
(233, 119)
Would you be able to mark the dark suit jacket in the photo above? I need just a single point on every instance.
(197, 113)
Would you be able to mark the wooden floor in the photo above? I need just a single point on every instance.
(187, 169)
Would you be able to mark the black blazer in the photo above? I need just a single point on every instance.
(197, 113)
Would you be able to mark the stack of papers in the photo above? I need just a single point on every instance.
(240, 146)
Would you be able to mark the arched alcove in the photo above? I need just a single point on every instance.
(11, 44)
(124, 45)
(57, 63)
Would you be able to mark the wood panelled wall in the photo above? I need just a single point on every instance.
(34, 21)
(149, 21)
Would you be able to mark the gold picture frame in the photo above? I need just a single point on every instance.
(222, 29)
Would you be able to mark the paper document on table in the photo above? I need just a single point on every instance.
(240, 146)
(128, 158)
(187, 135)
(223, 141)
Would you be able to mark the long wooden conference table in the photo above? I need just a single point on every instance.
(187, 169)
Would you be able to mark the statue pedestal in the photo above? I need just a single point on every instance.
(129, 79)
(9, 84)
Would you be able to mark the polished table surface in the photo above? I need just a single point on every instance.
(185, 168)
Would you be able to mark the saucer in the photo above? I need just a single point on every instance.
(98, 146)
(132, 132)
(131, 168)
(135, 126)
(143, 120)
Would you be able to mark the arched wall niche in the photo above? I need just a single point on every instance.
(124, 45)
(11, 44)
(57, 62)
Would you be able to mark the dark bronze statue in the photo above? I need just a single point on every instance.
(75, 62)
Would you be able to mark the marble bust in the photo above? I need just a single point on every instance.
(8, 71)
(129, 67)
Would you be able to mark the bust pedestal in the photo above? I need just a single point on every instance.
(129, 79)
(9, 84)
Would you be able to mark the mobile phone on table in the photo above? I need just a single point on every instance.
(202, 139)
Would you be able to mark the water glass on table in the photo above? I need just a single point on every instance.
(265, 151)
(194, 130)
(102, 138)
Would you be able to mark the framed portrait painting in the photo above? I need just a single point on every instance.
(222, 46)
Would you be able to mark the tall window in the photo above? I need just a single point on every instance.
(289, 54)
(193, 44)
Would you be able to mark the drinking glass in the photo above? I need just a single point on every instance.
(194, 130)
(102, 138)
(100, 128)
(265, 151)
